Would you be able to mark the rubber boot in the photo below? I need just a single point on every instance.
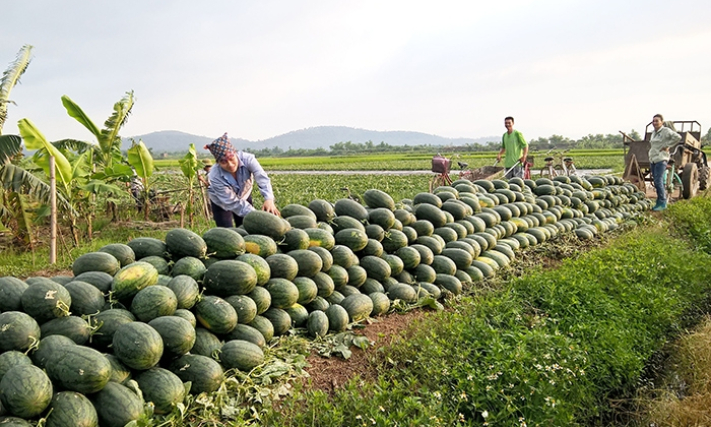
(660, 206)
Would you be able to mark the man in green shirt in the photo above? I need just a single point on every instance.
(515, 148)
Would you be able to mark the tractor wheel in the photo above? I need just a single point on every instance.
(690, 180)
(704, 175)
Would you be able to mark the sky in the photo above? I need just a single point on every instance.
(258, 69)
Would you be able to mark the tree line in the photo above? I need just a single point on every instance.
(555, 142)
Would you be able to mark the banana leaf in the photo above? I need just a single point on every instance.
(34, 140)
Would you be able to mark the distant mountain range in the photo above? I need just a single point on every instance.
(171, 141)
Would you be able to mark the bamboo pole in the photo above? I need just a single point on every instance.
(53, 212)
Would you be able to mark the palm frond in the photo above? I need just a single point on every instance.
(10, 145)
(115, 122)
(10, 78)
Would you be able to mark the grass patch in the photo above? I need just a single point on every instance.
(553, 348)
(683, 399)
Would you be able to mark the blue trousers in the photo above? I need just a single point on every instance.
(225, 218)
(658, 176)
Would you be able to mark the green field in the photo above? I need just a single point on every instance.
(584, 159)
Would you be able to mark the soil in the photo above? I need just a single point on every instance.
(329, 374)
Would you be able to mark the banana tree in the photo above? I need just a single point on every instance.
(109, 165)
(19, 187)
(189, 166)
(142, 162)
(66, 172)
(109, 142)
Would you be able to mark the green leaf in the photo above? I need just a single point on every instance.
(189, 163)
(96, 186)
(77, 113)
(10, 145)
(117, 171)
(34, 140)
(110, 134)
(140, 158)
(10, 78)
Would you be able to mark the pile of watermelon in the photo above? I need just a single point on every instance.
(152, 320)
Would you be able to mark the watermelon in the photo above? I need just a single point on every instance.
(11, 290)
(186, 290)
(280, 320)
(12, 358)
(358, 306)
(320, 237)
(73, 327)
(162, 387)
(205, 373)
(260, 266)
(247, 333)
(107, 322)
(189, 266)
(25, 391)
(295, 238)
(96, 261)
(138, 345)
(132, 278)
(264, 326)
(86, 298)
(18, 331)
(298, 314)
(284, 292)
(350, 207)
(309, 262)
(265, 223)
(117, 405)
(45, 301)
(245, 307)
(152, 302)
(326, 257)
(206, 343)
(337, 318)
(223, 243)
(259, 244)
(178, 334)
(241, 355)
(381, 303)
(283, 266)
(48, 348)
(79, 368)
(230, 277)
(374, 198)
(69, 408)
(323, 210)
(181, 242)
(123, 253)
(147, 246)
(317, 324)
(216, 314)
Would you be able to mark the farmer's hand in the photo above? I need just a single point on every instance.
(522, 160)
(498, 158)
(270, 207)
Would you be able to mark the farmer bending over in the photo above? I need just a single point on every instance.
(231, 182)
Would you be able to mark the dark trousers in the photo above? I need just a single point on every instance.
(225, 218)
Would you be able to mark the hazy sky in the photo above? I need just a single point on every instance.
(258, 69)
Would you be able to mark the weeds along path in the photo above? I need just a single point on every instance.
(331, 373)
(561, 339)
